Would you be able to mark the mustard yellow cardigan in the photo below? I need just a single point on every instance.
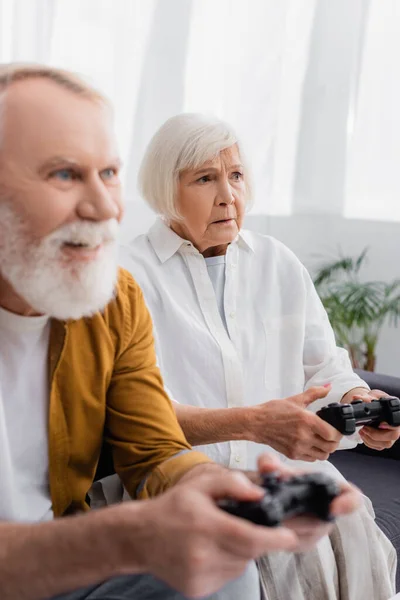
(104, 383)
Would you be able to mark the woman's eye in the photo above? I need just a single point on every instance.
(204, 179)
(237, 176)
(65, 175)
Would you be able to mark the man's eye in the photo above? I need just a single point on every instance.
(65, 175)
(237, 175)
(109, 173)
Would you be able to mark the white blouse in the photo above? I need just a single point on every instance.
(280, 340)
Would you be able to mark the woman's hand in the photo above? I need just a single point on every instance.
(376, 438)
(288, 427)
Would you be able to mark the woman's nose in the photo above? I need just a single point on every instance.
(225, 194)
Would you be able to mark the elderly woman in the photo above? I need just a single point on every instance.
(246, 348)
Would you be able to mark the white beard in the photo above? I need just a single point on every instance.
(39, 273)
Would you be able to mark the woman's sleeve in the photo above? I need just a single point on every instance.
(324, 362)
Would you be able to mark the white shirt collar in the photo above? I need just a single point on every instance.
(166, 242)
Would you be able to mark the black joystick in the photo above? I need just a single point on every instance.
(346, 417)
(310, 494)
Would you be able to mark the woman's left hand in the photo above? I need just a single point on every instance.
(376, 438)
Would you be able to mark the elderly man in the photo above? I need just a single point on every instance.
(77, 366)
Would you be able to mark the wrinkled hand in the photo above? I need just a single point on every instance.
(310, 530)
(377, 438)
(288, 427)
(194, 546)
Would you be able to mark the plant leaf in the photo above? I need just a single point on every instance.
(330, 270)
(361, 259)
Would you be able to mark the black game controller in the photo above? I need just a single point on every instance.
(304, 494)
(346, 417)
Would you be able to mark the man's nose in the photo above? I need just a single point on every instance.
(98, 203)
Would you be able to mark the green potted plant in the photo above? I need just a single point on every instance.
(357, 309)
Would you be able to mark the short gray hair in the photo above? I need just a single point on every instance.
(13, 72)
(185, 141)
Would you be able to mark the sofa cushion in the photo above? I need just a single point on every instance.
(393, 452)
(379, 480)
(387, 383)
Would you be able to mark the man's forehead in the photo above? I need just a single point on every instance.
(39, 115)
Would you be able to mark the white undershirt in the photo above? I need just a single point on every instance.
(216, 272)
(24, 397)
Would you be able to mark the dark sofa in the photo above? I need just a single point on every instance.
(377, 473)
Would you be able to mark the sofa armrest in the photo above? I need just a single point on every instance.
(390, 385)
(386, 383)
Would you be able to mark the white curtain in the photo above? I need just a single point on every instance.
(25, 30)
(373, 181)
(243, 61)
(311, 86)
(246, 63)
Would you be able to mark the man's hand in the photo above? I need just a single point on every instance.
(194, 546)
(288, 427)
(310, 530)
(378, 439)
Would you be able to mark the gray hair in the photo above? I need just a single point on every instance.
(13, 72)
(185, 141)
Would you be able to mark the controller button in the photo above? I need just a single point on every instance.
(333, 404)
(394, 402)
(347, 409)
(349, 427)
(357, 402)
